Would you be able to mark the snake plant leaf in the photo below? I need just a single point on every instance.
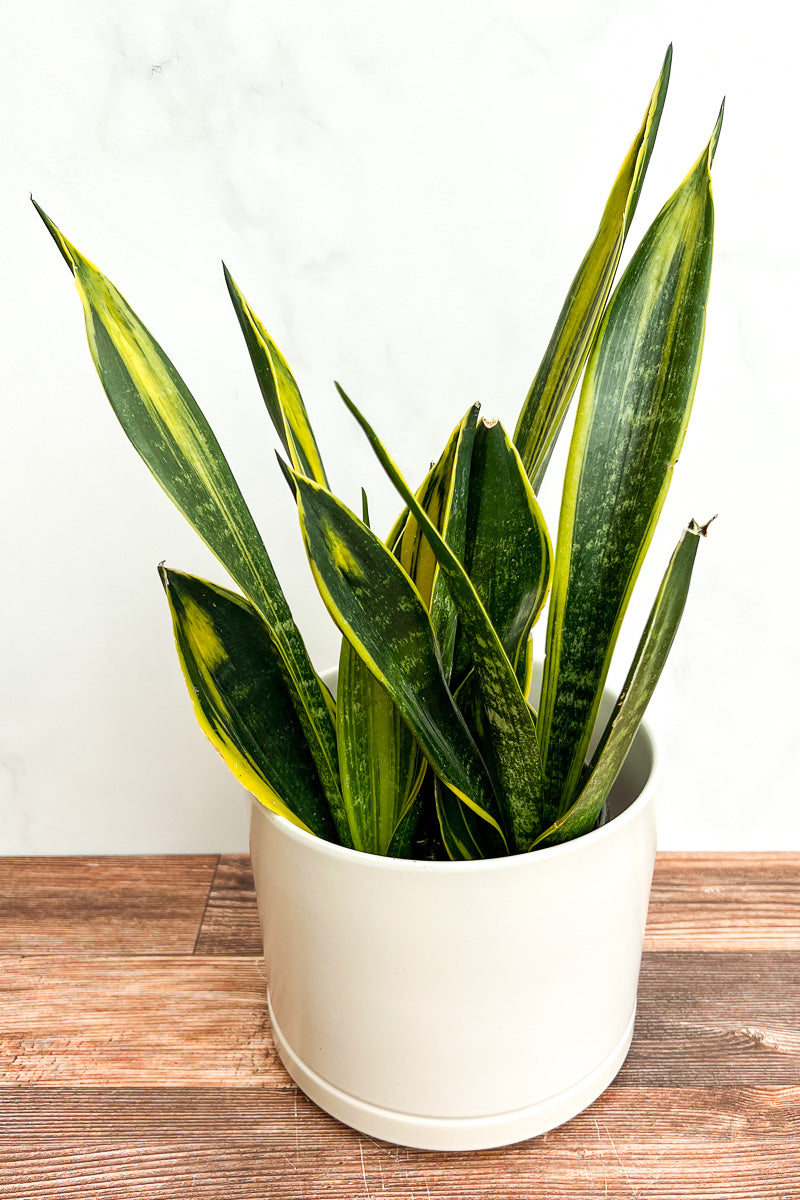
(632, 416)
(380, 612)
(170, 433)
(648, 663)
(241, 700)
(404, 841)
(508, 551)
(455, 466)
(278, 389)
(444, 497)
(409, 547)
(551, 391)
(508, 714)
(458, 832)
(380, 765)
(380, 770)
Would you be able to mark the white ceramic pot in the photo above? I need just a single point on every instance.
(458, 1006)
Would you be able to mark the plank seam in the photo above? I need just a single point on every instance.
(202, 920)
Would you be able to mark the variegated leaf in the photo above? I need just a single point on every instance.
(379, 763)
(551, 391)
(381, 613)
(444, 496)
(508, 555)
(278, 389)
(458, 832)
(508, 715)
(241, 701)
(634, 408)
(170, 433)
(380, 766)
(648, 663)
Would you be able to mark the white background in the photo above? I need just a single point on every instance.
(403, 191)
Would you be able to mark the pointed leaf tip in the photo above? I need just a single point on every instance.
(288, 474)
(712, 145)
(56, 235)
(549, 396)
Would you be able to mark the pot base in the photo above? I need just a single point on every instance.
(461, 1133)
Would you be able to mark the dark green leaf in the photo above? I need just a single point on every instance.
(631, 421)
(382, 616)
(648, 663)
(170, 433)
(507, 712)
(278, 389)
(241, 701)
(551, 391)
(380, 765)
(508, 553)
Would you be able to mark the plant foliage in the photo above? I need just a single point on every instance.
(432, 745)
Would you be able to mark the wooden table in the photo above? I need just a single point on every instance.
(136, 1057)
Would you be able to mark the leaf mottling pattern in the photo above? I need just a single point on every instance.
(170, 433)
(634, 408)
(551, 391)
(383, 617)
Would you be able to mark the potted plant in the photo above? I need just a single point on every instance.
(453, 856)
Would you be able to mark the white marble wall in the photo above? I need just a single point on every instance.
(403, 191)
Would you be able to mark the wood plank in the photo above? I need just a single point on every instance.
(728, 901)
(725, 902)
(230, 923)
(707, 1105)
(659, 1143)
(153, 905)
(693, 1115)
(117, 1021)
(120, 905)
(704, 1019)
(717, 1018)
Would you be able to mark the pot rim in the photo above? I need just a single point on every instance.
(382, 862)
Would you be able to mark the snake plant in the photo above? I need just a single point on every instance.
(431, 746)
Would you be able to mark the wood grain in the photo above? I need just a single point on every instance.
(693, 1116)
(727, 1018)
(230, 922)
(158, 905)
(716, 1018)
(118, 1021)
(725, 902)
(136, 1059)
(659, 1143)
(698, 902)
(132, 905)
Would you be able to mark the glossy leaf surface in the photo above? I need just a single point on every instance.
(508, 555)
(508, 715)
(380, 766)
(551, 391)
(241, 701)
(381, 613)
(632, 417)
(648, 663)
(278, 389)
(170, 433)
